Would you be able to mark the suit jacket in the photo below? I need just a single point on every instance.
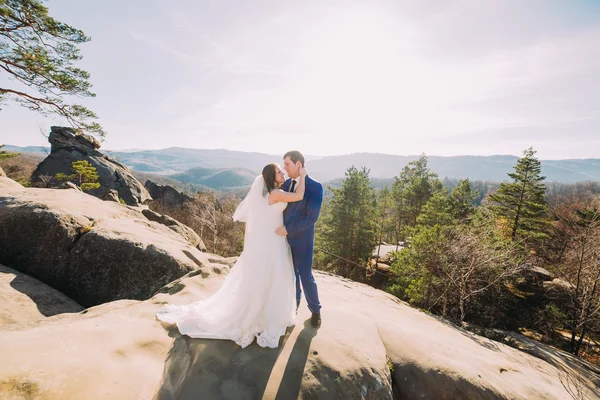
(300, 217)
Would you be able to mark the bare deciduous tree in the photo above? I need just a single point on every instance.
(578, 262)
(474, 265)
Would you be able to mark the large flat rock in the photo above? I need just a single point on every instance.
(370, 346)
(91, 250)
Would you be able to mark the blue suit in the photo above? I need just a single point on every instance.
(299, 219)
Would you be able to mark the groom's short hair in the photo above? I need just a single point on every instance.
(295, 156)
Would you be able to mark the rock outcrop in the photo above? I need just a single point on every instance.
(70, 185)
(91, 250)
(379, 275)
(112, 195)
(370, 346)
(2, 173)
(68, 146)
(184, 230)
(166, 195)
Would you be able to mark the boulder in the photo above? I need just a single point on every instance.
(112, 195)
(540, 273)
(91, 250)
(166, 195)
(68, 145)
(370, 346)
(183, 230)
(558, 289)
(70, 185)
(378, 275)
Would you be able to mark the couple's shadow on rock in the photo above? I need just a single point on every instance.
(220, 369)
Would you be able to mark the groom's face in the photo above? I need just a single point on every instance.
(293, 170)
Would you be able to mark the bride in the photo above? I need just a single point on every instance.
(258, 297)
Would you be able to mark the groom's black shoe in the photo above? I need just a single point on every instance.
(315, 320)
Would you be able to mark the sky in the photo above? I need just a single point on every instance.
(446, 77)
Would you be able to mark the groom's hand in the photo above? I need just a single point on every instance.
(281, 231)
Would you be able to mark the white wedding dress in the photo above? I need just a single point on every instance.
(258, 297)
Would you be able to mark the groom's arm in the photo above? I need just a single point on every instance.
(314, 198)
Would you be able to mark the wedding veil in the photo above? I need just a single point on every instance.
(253, 208)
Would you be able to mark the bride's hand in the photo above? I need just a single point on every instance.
(303, 172)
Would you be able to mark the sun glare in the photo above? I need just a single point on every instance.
(364, 76)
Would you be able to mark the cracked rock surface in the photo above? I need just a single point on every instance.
(91, 250)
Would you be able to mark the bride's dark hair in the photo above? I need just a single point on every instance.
(269, 173)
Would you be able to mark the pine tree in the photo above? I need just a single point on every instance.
(461, 200)
(37, 55)
(84, 175)
(411, 190)
(436, 211)
(384, 211)
(348, 226)
(399, 213)
(447, 210)
(421, 184)
(520, 205)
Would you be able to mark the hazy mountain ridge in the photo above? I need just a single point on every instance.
(175, 160)
(217, 178)
(28, 149)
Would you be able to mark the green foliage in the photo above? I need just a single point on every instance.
(38, 52)
(436, 211)
(521, 204)
(385, 216)
(461, 200)
(447, 267)
(348, 227)
(413, 269)
(84, 175)
(122, 201)
(390, 365)
(449, 209)
(478, 188)
(411, 190)
(5, 154)
(23, 181)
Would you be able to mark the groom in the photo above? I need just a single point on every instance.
(299, 220)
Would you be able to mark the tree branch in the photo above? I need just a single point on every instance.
(50, 103)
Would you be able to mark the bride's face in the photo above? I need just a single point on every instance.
(279, 176)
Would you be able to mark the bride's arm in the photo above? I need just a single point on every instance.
(290, 197)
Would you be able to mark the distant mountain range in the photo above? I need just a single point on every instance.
(217, 178)
(222, 169)
(27, 149)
